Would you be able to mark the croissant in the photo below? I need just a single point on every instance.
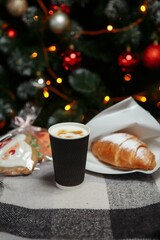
(124, 151)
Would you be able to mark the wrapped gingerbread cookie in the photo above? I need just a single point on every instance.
(17, 155)
(24, 146)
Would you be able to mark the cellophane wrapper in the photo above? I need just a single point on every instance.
(26, 145)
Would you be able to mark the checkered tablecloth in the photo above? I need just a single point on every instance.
(104, 207)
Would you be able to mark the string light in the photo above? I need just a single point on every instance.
(109, 28)
(127, 77)
(48, 82)
(67, 107)
(59, 80)
(141, 98)
(113, 30)
(41, 81)
(35, 18)
(52, 48)
(45, 93)
(106, 99)
(34, 55)
(143, 8)
(43, 7)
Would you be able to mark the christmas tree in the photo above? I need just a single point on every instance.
(72, 59)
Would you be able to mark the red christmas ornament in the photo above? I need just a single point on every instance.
(63, 7)
(53, 9)
(151, 56)
(71, 59)
(127, 61)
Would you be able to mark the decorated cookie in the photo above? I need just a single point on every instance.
(17, 155)
(43, 141)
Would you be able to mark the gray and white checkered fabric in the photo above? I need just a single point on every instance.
(105, 207)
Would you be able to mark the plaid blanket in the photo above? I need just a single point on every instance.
(104, 207)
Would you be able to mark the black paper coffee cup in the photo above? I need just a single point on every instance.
(69, 144)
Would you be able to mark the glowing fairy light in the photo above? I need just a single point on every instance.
(34, 54)
(143, 8)
(41, 81)
(52, 48)
(67, 107)
(35, 18)
(45, 93)
(127, 77)
(48, 82)
(106, 99)
(109, 28)
(59, 80)
(141, 98)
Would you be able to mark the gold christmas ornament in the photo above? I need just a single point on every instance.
(59, 22)
(17, 7)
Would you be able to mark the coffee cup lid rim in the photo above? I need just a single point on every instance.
(84, 126)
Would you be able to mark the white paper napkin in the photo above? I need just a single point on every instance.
(126, 116)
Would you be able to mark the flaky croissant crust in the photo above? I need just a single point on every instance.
(125, 151)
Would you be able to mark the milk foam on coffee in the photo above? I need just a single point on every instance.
(68, 131)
